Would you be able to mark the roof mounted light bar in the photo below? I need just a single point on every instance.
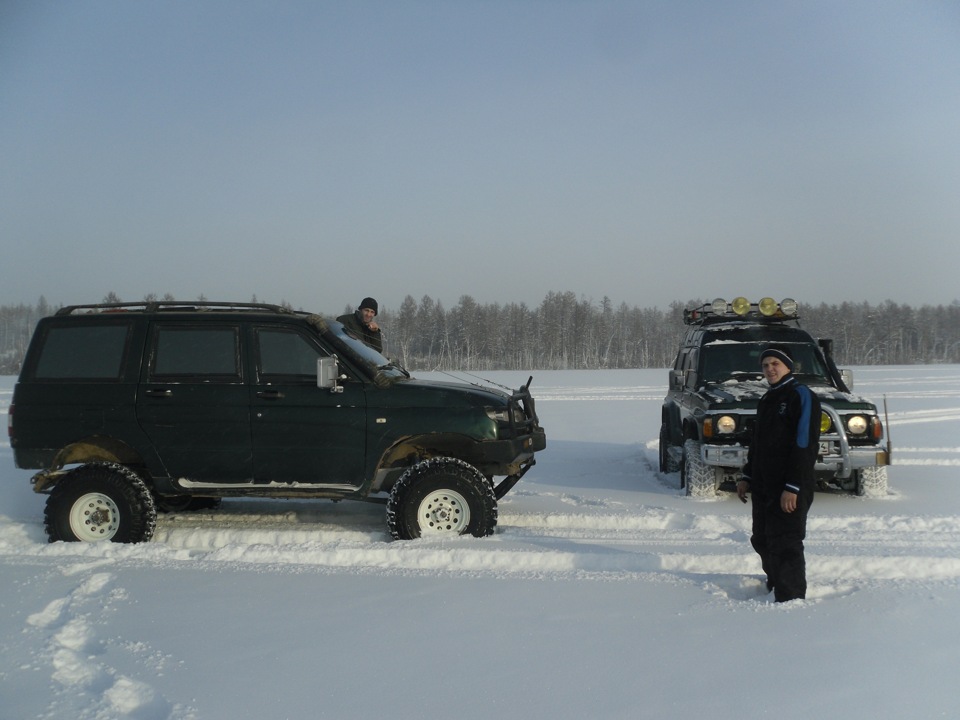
(740, 308)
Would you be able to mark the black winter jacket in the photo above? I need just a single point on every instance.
(373, 338)
(786, 440)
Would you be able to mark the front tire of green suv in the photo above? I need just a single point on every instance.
(441, 497)
(100, 502)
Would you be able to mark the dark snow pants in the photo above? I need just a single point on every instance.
(778, 539)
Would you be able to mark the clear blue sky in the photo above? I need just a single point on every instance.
(320, 152)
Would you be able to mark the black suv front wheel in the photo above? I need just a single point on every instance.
(441, 496)
(100, 502)
(699, 479)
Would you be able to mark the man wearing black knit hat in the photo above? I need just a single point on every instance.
(780, 474)
(362, 324)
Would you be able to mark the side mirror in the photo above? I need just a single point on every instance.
(327, 374)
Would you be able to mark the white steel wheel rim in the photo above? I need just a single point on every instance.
(443, 512)
(93, 517)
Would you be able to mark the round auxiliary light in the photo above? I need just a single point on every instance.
(741, 306)
(788, 306)
(768, 307)
(825, 422)
(719, 306)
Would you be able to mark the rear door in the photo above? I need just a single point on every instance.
(79, 380)
(193, 403)
(302, 433)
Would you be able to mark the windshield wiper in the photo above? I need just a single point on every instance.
(393, 364)
(746, 375)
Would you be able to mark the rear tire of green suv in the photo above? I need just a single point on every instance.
(100, 502)
(441, 497)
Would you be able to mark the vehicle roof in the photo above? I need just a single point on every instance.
(180, 308)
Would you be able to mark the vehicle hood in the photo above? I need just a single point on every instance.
(748, 394)
(431, 393)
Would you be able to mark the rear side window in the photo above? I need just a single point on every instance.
(86, 352)
(211, 353)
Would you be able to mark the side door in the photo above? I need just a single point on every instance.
(193, 403)
(689, 399)
(79, 379)
(302, 433)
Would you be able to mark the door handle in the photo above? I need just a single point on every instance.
(159, 393)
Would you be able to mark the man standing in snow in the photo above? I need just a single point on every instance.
(779, 474)
(362, 324)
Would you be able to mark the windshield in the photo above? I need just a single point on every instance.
(722, 361)
(364, 352)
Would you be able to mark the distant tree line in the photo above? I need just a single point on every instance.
(569, 332)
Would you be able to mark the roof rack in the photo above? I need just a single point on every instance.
(767, 310)
(152, 306)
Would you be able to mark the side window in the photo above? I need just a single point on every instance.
(286, 355)
(678, 360)
(207, 353)
(87, 352)
(690, 368)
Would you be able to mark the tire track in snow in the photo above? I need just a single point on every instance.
(607, 546)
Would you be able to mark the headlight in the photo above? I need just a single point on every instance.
(825, 423)
(720, 425)
(503, 415)
(857, 424)
(726, 424)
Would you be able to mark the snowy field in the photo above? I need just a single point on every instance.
(605, 593)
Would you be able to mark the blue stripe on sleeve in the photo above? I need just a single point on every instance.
(806, 407)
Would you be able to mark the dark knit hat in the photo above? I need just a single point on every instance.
(371, 304)
(779, 352)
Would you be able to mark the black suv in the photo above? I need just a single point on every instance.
(715, 384)
(130, 408)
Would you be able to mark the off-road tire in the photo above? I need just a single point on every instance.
(441, 496)
(100, 502)
(872, 481)
(698, 478)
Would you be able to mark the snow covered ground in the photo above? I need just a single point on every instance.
(605, 592)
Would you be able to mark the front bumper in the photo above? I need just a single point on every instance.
(833, 460)
(836, 457)
(510, 452)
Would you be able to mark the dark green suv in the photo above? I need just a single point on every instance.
(127, 409)
(715, 384)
